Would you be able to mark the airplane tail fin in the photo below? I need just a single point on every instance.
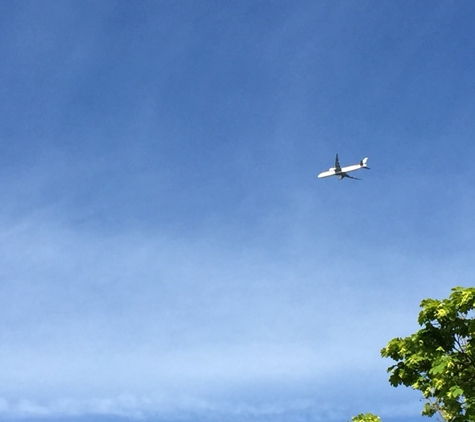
(363, 163)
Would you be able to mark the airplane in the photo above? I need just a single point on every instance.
(341, 172)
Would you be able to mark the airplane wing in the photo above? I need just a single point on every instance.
(351, 177)
(337, 164)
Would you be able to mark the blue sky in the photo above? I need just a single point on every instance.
(167, 251)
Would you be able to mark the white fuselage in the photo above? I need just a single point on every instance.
(333, 172)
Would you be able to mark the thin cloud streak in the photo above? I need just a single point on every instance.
(138, 314)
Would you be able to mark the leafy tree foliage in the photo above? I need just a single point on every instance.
(439, 359)
(367, 417)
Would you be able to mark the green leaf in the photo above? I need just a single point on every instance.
(438, 369)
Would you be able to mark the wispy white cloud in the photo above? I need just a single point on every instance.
(185, 408)
(133, 316)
